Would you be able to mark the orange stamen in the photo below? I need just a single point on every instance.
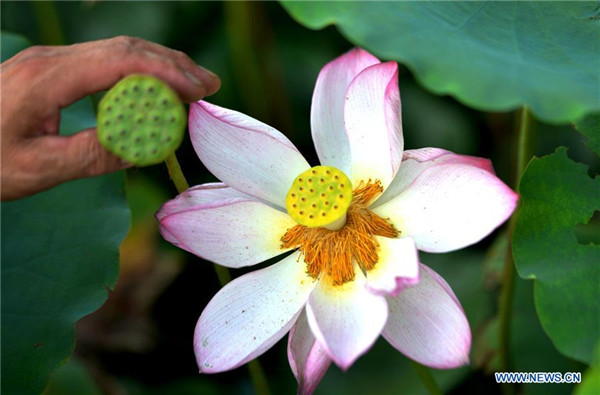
(333, 252)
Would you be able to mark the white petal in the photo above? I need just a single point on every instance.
(308, 359)
(414, 162)
(244, 153)
(250, 314)
(327, 111)
(346, 319)
(374, 124)
(450, 206)
(426, 323)
(232, 232)
(397, 267)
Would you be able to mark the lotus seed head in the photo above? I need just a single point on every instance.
(308, 200)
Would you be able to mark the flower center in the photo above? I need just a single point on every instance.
(334, 253)
(320, 197)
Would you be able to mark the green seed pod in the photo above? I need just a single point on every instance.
(141, 120)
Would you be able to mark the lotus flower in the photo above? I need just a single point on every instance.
(353, 224)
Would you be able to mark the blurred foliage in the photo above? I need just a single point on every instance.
(556, 195)
(139, 342)
(493, 56)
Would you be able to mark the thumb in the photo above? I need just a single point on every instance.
(80, 155)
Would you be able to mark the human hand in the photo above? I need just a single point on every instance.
(39, 81)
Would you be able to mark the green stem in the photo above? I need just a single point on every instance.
(257, 375)
(427, 378)
(176, 174)
(525, 149)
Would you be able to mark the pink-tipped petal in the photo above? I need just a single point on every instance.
(427, 324)
(414, 162)
(232, 232)
(450, 206)
(346, 319)
(374, 124)
(250, 314)
(327, 111)
(397, 267)
(244, 153)
(308, 359)
(195, 196)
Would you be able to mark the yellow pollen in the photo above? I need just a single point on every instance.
(332, 253)
(307, 201)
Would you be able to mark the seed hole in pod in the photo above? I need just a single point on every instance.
(155, 118)
(341, 196)
(293, 195)
(327, 172)
(322, 181)
(314, 172)
(300, 189)
(303, 199)
(124, 92)
(168, 139)
(164, 102)
(313, 205)
(311, 216)
(154, 151)
(323, 214)
(137, 154)
(147, 104)
(335, 207)
(336, 177)
(294, 205)
(151, 89)
(135, 88)
(300, 180)
(326, 202)
(341, 186)
(139, 120)
(152, 134)
(122, 148)
(311, 190)
(116, 99)
(323, 195)
(172, 119)
(123, 132)
(310, 180)
(106, 123)
(330, 188)
(301, 212)
(109, 137)
(131, 105)
(108, 108)
(120, 117)
(137, 139)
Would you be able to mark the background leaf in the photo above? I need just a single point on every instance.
(556, 195)
(59, 260)
(590, 127)
(490, 55)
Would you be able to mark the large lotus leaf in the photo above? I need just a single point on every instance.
(556, 195)
(59, 259)
(490, 55)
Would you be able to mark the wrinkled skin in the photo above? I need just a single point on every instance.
(41, 80)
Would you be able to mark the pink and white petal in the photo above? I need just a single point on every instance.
(308, 359)
(397, 268)
(250, 314)
(211, 193)
(415, 162)
(427, 323)
(450, 206)
(374, 124)
(200, 194)
(327, 111)
(232, 233)
(244, 153)
(346, 319)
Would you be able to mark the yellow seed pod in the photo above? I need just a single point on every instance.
(319, 196)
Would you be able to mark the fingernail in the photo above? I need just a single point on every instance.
(193, 78)
(207, 71)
